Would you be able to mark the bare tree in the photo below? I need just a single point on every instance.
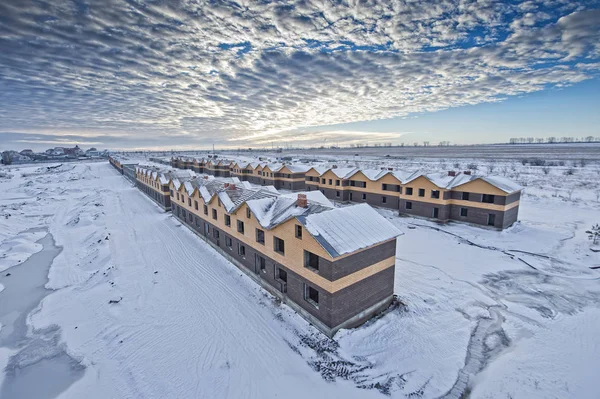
(594, 233)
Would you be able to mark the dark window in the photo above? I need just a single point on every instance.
(337, 182)
(227, 220)
(487, 198)
(421, 192)
(491, 219)
(240, 227)
(248, 213)
(216, 233)
(323, 181)
(177, 196)
(409, 190)
(171, 193)
(311, 260)
(464, 212)
(435, 193)
(311, 295)
(281, 275)
(241, 250)
(352, 183)
(214, 214)
(408, 205)
(465, 196)
(205, 209)
(196, 205)
(337, 193)
(330, 182)
(398, 188)
(260, 264)
(260, 236)
(364, 196)
(279, 245)
(189, 201)
(436, 212)
(228, 242)
(298, 231)
(384, 200)
(384, 187)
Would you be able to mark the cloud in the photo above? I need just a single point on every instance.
(243, 73)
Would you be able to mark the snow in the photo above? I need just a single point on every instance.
(346, 230)
(508, 314)
(312, 196)
(503, 183)
(343, 173)
(374, 174)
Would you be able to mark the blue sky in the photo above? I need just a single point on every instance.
(182, 75)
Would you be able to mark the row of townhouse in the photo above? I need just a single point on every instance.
(333, 266)
(452, 196)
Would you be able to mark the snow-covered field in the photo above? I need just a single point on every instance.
(151, 311)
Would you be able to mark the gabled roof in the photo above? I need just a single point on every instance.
(297, 168)
(270, 212)
(345, 230)
(444, 181)
(319, 169)
(343, 173)
(372, 174)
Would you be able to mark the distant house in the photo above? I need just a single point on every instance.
(93, 152)
(28, 153)
(9, 157)
(75, 151)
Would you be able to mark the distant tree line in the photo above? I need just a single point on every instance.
(552, 140)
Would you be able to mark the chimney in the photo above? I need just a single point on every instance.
(451, 173)
(232, 186)
(205, 177)
(302, 201)
(390, 168)
(226, 185)
(467, 172)
(334, 167)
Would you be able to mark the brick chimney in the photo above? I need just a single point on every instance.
(302, 201)
(467, 172)
(451, 173)
(232, 186)
(205, 177)
(226, 185)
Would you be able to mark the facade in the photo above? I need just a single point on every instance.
(155, 183)
(292, 247)
(490, 201)
(116, 163)
(129, 171)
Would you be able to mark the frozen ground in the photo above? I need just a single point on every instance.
(142, 308)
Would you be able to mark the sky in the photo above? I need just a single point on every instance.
(181, 74)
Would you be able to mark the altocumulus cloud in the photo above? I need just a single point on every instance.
(185, 74)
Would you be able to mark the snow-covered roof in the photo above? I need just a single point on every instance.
(345, 230)
(298, 168)
(312, 196)
(344, 173)
(503, 183)
(319, 169)
(373, 174)
(443, 180)
(273, 211)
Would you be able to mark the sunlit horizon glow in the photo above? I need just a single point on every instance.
(300, 73)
